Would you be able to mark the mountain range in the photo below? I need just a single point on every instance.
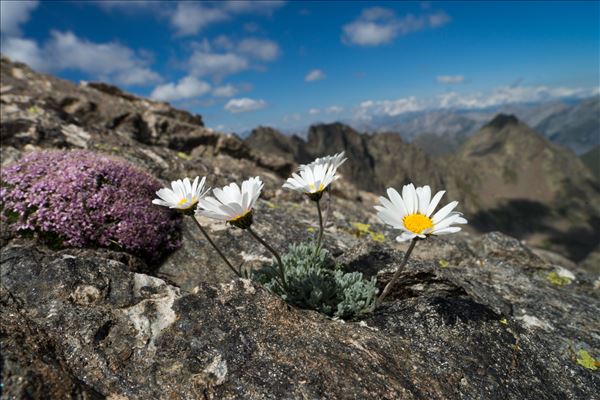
(573, 123)
(506, 176)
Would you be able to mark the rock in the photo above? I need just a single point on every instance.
(483, 326)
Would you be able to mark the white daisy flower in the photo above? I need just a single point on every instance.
(412, 211)
(335, 160)
(232, 204)
(183, 195)
(312, 180)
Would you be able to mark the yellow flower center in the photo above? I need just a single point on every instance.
(417, 223)
(239, 217)
(312, 187)
(184, 200)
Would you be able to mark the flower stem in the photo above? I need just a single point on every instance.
(390, 284)
(321, 226)
(328, 211)
(272, 250)
(235, 271)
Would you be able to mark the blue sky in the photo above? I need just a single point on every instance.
(287, 64)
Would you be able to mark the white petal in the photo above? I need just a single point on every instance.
(434, 202)
(187, 186)
(443, 212)
(160, 203)
(446, 222)
(389, 218)
(446, 231)
(397, 201)
(167, 195)
(424, 196)
(404, 236)
(408, 195)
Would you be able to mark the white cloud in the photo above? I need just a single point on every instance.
(217, 65)
(186, 88)
(447, 79)
(377, 25)
(223, 56)
(335, 110)
(127, 5)
(265, 7)
(480, 100)
(65, 51)
(314, 75)
(13, 14)
(24, 50)
(189, 18)
(225, 91)
(261, 49)
(292, 117)
(244, 105)
(314, 111)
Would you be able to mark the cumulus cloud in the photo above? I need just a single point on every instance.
(314, 111)
(13, 14)
(292, 117)
(480, 100)
(217, 65)
(189, 18)
(65, 51)
(24, 50)
(448, 79)
(244, 105)
(335, 110)
(261, 49)
(314, 75)
(127, 5)
(223, 56)
(225, 91)
(186, 88)
(377, 25)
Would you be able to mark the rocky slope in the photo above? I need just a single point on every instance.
(472, 316)
(574, 124)
(506, 176)
(527, 186)
(577, 127)
(592, 160)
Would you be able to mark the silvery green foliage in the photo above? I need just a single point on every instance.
(315, 282)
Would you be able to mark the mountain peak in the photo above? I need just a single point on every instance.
(502, 120)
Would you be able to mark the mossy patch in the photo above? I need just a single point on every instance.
(360, 229)
(184, 156)
(443, 263)
(555, 279)
(587, 361)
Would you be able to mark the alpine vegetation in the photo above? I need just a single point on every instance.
(234, 206)
(314, 178)
(183, 197)
(306, 276)
(317, 282)
(84, 199)
(411, 213)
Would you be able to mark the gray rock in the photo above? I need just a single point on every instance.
(485, 325)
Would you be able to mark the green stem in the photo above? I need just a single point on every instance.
(328, 212)
(390, 284)
(272, 250)
(321, 226)
(216, 248)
